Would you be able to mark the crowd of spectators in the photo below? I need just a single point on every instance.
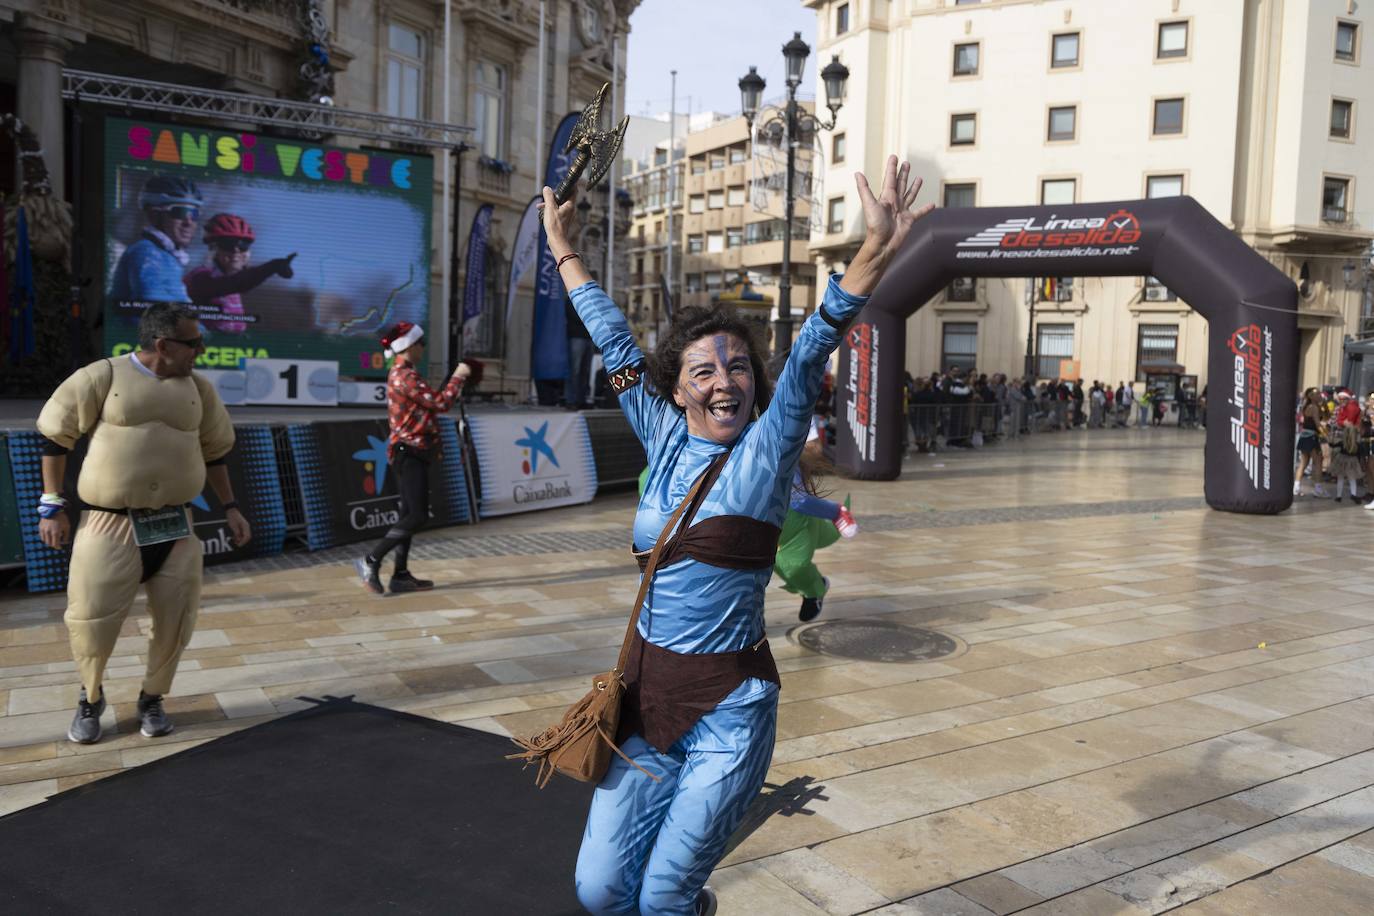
(1335, 444)
(965, 408)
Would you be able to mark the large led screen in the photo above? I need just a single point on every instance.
(285, 249)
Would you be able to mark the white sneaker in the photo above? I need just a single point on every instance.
(1370, 505)
(1297, 488)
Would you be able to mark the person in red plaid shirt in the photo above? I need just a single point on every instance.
(412, 406)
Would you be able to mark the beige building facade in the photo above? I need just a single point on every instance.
(723, 232)
(1253, 107)
(388, 58)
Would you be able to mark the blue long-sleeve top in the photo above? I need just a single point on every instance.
(694, 607)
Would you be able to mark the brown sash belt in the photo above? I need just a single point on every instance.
(667, 692)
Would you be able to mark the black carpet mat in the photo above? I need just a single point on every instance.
(341, 808)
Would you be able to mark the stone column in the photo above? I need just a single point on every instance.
(41, 56)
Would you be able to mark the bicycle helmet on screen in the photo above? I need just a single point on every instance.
(228, 226)
(167, 191)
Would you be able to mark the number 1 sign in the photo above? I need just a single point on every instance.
(288, 381)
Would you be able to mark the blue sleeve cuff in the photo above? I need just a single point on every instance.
(839, 304)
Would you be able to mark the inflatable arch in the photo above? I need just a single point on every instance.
(1250, 307)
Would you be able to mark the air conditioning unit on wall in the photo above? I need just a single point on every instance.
(1156, 293)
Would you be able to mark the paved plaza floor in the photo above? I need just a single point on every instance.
(1150, 705)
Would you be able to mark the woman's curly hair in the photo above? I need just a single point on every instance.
(692, 324)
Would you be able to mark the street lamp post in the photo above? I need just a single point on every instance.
(792, 120)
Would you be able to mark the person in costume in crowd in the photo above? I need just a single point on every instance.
(1309, 442)
(700, 710)
(223, 281)
(150, 270)
(158, 432)
(812, 523)
(412, 408)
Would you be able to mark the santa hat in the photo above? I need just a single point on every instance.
(402, 337)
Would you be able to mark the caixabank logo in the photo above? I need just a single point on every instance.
(536, 452)
(1114, 234)
(1251, 401)
(374, 510)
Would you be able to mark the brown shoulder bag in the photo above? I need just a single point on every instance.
(580, 744)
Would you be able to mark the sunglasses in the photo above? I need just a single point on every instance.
(233, 244)
(195, 343)
(191, 213)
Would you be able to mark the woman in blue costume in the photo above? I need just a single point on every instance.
(702, 689)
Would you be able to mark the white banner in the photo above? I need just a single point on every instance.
(523, 254)
(533, 460)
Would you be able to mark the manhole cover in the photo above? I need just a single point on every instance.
(876, 641)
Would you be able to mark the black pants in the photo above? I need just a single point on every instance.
(412, 479)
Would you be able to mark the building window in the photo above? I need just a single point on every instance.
(1173, 40)
(693, 244)
(713, 280)
(698, 165)
(660, 156)
(404, 64)
(958, 345)
(962, 289)
(1053, 342)
(1054, 289)
(1335, 199)
(1347, 41)
(834, 217)
(1164, 186)
(715, 200)
(1058, 191)
(960, 195)
(1063, 122)
(842, 19)
(837, 149)
(734, 197)
(963, 129)
(715, 242)
(1157, 346)
(696, 204)
(734, 238)
(489, 108)
(1342, 112)
(1168, 117)
(718, 159)
(738, 154)
(1064, 50)
(694, 283)
(966, 59)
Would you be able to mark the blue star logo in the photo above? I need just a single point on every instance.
(375, 453)
(200, 503)
(534, 441)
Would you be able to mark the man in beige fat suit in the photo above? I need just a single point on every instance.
(158, 431)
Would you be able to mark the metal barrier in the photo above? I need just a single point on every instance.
(957, 424)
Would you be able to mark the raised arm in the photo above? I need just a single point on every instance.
(623, 359)
(888, 218)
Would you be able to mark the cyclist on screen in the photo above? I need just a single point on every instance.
(150, 269)
(222, 281)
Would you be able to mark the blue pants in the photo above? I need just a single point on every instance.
(650, 846)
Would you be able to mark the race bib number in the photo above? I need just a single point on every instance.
(157, 526)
